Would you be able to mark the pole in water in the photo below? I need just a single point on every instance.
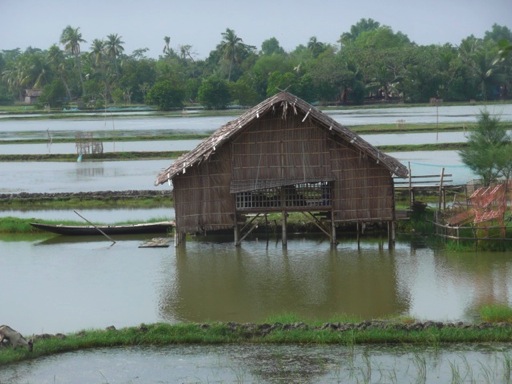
(99, 230)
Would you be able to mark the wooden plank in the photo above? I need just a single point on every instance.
(156, 242)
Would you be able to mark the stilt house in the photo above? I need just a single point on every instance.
(283, 155)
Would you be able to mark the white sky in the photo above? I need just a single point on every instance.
(200, 23)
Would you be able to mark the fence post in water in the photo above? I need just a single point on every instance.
(441, 190)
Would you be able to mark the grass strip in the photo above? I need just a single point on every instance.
(160, 334)
(107, 156)
(120, 137)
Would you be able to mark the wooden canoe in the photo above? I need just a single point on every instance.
(91, 230)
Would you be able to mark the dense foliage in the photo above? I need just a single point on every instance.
(371, 63)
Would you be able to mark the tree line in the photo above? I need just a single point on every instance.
(370, 63)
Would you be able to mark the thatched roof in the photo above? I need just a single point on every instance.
(282, 101)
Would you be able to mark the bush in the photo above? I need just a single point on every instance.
(214, 93)
(165, 96)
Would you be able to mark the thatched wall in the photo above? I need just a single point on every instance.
(363, 190)
(275, 152)
(202, 198)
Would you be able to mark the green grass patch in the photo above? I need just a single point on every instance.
(16, 225)
(496, 313)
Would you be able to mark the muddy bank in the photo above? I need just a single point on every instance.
(260, 330)
(99, 195)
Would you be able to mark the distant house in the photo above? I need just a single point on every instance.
(31, 95)
(283, 155)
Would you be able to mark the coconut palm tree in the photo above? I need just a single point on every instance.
(114, 48)
(233, 49)
(167, 49)
(57, 62)
(71, 39)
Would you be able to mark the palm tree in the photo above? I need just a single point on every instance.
(97, 52)
(315, 46)
(479, 57)
(15, 79)
(71, 39)
(167, 49)
(98, 59)
(233, 49)
(57, 62)
(114, 48)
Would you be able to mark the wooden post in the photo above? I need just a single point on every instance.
(441, 190)
(237, 233)
(391, 235)
(358, 236)
(179, 238)
(333, 230)
(284, 234)
(411, 191)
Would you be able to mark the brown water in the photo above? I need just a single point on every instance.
(65, 284)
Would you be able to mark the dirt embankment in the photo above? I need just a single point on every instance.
(98, 195)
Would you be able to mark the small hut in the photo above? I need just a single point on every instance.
(283, 155)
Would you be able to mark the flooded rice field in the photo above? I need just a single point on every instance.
(88, 176)
(54, 284)
(269, 364)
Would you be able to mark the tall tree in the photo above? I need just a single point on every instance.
(489, 149)
(233, 49)
(114, 48)
(479, 57)
(71, 38)
(363, 25)
(271, 46)
(167, 47)
(98, 59)
(58, 63)
(316, 47)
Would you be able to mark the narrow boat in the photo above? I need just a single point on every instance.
(90, 230)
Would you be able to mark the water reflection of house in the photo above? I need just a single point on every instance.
(283, 155)
(251, 284)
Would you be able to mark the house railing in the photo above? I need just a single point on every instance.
(302, 197)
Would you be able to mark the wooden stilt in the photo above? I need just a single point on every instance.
(179, 238)
(237, 234)
(391, 234)
(358, 236)
(284, 234)
(333, 230)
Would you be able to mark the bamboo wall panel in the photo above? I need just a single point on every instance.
(202, 198)
(363, 190)
(275, 152)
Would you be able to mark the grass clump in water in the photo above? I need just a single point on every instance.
(496, 313)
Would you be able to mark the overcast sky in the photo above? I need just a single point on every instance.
(200, 23)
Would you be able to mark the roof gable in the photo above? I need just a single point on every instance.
(284, 103)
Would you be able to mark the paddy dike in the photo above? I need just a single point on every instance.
(85, 196)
